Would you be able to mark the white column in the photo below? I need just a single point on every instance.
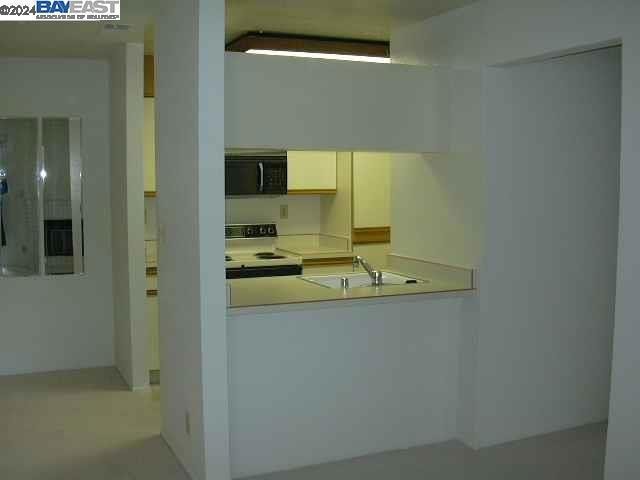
(127, 210)
(191, 283)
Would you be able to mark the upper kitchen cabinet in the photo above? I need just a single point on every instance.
(149, 147)
(371, 197)
(311, 173)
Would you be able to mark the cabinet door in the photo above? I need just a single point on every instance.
(149, 146)
(371, 189)
(311, 172)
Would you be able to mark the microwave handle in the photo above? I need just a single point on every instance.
(261, 169)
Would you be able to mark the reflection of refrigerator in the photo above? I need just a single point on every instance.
(18, 146)
(61, 196)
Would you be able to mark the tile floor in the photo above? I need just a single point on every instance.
(84, 425)
(81, 425)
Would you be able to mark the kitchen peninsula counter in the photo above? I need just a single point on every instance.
(252, 292)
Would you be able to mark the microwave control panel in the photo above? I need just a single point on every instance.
(275, 179)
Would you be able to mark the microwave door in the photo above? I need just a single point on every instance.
(243, 177)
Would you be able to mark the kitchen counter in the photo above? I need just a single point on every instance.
(251, 292)
(315, 246)
(319, 253)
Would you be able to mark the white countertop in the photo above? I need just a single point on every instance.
(315, 246)
(251, 292)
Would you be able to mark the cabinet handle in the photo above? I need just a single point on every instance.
(261, 168)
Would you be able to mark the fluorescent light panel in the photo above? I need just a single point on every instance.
(326, 56)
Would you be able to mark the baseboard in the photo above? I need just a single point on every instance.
(173, 452)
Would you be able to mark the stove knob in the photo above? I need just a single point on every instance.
(271, 230)
(263, 230)
(249, 232)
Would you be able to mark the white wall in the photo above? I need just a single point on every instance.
(553, 150)
(303, 212)
(280, 102)
(624, 422)
(151, 218)
(476, 36)
(437, 208)
(127, 211)
(319, 384)
(190, 127)
(438, 200)
(63, 322)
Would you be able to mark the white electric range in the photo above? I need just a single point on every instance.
(250, 252)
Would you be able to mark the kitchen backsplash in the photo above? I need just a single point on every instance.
(303, 212)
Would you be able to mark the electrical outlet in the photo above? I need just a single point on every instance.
(187, 423)
(284, 212)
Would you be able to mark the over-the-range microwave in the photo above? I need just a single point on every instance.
(258, 173)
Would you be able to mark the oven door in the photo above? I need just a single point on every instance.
(255, 175)
(265, 271)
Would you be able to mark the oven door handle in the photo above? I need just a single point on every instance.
(261, 170)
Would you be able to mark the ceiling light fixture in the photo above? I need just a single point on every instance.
(326, 56)
(311, 47)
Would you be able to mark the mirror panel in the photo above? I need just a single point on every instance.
(19, 225)
(41, 197)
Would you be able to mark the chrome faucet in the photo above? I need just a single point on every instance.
(376, 275)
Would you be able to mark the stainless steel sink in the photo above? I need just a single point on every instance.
(356, 280)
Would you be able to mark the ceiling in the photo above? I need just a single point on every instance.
(75, 39)
(362, 19)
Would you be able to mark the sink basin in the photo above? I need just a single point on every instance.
(358, 280)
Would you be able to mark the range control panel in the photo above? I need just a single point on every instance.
(258, 230)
